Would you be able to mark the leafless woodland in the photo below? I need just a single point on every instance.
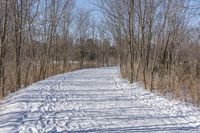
(40, 38)
(155, 42)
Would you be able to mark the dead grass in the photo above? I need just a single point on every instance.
(33, 74)
(179, 84)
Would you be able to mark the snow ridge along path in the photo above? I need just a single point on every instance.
(93, 100)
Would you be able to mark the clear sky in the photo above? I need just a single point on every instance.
(84, 4)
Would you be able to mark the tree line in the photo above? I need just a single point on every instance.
(40, 38)
(158, 43)
(155, 42)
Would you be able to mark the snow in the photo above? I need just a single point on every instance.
(93, 100)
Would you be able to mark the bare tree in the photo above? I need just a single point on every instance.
(3, 46)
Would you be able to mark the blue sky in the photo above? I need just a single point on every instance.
(88, 4)
(84, 4)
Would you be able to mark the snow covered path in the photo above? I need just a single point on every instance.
(93, 100)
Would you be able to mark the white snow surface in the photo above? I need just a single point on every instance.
(93, 100)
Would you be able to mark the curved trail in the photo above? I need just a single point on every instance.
(93, 100)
